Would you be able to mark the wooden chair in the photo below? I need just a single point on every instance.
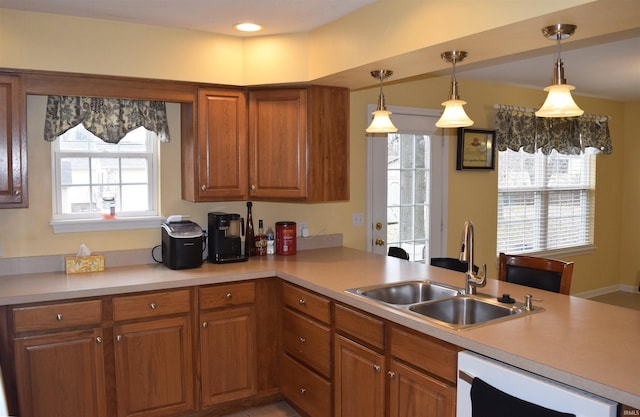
(397, 252)
(545, 274)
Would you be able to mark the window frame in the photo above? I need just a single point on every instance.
(93, 221)
(541, 196)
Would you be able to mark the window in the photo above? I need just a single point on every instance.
(90, 175)
(545, 202)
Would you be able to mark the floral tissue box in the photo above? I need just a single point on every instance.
(81, 265)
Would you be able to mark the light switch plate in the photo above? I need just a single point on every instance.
(357, 219)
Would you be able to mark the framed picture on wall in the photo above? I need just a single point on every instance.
(476, 149)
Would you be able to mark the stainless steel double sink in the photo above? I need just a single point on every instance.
(444, 304)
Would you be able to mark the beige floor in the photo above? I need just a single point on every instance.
(621, 298)
(282, 409)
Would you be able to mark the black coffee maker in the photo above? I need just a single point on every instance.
(225, 244)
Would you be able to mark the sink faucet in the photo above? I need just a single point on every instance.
(471, 280)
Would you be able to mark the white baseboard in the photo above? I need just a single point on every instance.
(606, 290)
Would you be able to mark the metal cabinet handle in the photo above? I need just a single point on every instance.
(58, 317)
(203, 188)
(301, 301)
(229, 296)
(153, 306)
(119, 338)
(98, 339)
(253, 187)
(376, 368)
(303, 340)
(205, 324)
(17, 193)
(302, 391)
(391, 374)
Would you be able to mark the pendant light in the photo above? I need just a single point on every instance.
(559, 102)
(381, 122)
(454, 115)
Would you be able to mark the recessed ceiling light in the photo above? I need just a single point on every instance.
(248, 27)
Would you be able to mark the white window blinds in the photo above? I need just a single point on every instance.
(545, 202)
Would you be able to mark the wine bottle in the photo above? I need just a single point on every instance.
(249, 239)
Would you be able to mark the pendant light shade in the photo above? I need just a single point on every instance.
(381, 122)
(559, 102)
(454, 114)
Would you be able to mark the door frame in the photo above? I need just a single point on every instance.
(439, 191)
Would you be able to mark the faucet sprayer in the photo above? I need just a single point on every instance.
(471, 280)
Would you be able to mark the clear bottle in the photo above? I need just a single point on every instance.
(261, 240)
(249, 239)
(271, 241)
(108, 207)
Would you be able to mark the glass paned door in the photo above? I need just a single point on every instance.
(406, 192)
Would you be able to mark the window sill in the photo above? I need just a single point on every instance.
(98, 225)
(560, 253)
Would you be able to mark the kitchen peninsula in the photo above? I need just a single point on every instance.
(585, 344)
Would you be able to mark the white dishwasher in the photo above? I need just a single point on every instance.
(495, 384)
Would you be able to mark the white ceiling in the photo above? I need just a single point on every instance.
(610, 69)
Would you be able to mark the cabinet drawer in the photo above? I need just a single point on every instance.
(360, 325)
(432, 355)
(57, 316)
(307, 302)
(308, 341)
(151, 305)
(227, 295)
(310, 392)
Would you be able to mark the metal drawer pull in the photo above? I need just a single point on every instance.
(229, 296)
(302, 391)
(391, 374)
(376, 368)
(58, 317)
(119, 338)
(302, 340)
(205, 324)
(302, 301)
(98, 339)
(153, 306)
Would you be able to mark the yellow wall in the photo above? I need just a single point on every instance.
(185, 55)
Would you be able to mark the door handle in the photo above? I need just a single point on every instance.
(379, 242)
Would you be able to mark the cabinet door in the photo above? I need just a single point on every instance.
(220, 156)
(414, 393)
(359, 380)
(13, 148)
(154, 374)
(61, 375)
(228, 354)
(278, 144)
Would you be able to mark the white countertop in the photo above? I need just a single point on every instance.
(585, 344)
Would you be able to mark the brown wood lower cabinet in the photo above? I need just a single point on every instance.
(414, 393)
(373, 357)
(227, 355)
(61, 375)
(154, 375)
(214, 350)
(359, 380)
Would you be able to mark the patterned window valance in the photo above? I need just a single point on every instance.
(518, 127)
(110, 119)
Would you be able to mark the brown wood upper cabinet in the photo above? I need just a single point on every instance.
(13, 144)
(214, 159)
(299, 144)
(291, 145)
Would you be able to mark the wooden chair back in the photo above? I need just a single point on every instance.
(546, 274)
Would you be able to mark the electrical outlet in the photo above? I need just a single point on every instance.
(301, 227)
(357, 219)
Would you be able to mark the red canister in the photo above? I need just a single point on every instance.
(285, 238)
